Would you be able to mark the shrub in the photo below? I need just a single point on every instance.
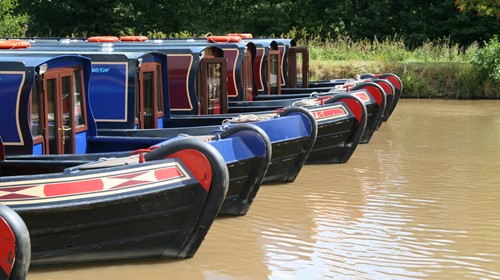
(487, 60)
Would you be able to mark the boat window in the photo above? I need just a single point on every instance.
(214, 86)
(299, 60)
(298, 67)
(159, 90)
(247, 75)
(67, 113)
(78, 111)
(51, 115)
(274, 72)
(66, 100)
(149, 95)
(211, 86)
(148, 89)
(36, 128)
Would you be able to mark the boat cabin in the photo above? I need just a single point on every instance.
(253, 65)
(133, 82)
(196, 75)
(44, 101)
(295, 64)
(239, 63)
(197, 78)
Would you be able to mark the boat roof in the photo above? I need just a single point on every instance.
(36, 59)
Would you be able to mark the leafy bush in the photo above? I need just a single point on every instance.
(487, 60)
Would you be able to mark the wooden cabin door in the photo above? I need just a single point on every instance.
(247, 76)
(274, 72)
(59, 135)
(212, 86)
(58, 111)
(298, 67)
(149, 96)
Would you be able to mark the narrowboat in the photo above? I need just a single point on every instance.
(336, 135)
(46, 111)
(158, 204)
(292, 132)
(187, 85)
(295, 61)
(266, 70)
(340, 131)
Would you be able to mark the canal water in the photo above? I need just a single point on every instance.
(420, 201)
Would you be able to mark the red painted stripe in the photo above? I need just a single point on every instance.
(355, 107)
(386, 87)
(16, 189)
(328, 113)
(198, 164)
(16, 196)
(167, 173)
(394, 81)
(363, 96)
(75, 187)
(7, 247)
(375, 93)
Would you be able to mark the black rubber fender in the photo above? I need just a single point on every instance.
(218, 189)
(21, 238)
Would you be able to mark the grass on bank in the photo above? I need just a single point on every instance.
(435, 69)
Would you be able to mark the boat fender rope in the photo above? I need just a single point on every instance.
(250, 118)
(306, 102)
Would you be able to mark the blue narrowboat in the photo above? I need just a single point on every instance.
(264, 59)
(160, 204)
(196, 78)
(336, 136)
(46, 112)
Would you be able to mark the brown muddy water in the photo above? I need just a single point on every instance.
(420, 201)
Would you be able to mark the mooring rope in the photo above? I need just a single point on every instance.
(250, 118)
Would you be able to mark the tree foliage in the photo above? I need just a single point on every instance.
(417, 22)
(11, 25)
(482, 7)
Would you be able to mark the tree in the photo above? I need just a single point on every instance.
(11, 25)
(482, 7)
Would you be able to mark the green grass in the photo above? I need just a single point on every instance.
(433, 70)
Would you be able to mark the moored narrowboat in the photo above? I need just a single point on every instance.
(358, 124)
(59, 120)
(155, 204)
(193, 90)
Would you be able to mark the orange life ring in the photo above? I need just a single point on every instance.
(133, 38)
(224, 39)
(14, 44)
(103, 39)
(241, 35)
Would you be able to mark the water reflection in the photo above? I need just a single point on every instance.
(420, 201)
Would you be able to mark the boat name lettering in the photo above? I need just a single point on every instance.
(100, 69)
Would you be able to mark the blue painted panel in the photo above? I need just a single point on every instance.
(9, 94)
(284, 128)
(38, 149)
(81, 142)
(107, 91)
(159, 122)
(232, 149)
